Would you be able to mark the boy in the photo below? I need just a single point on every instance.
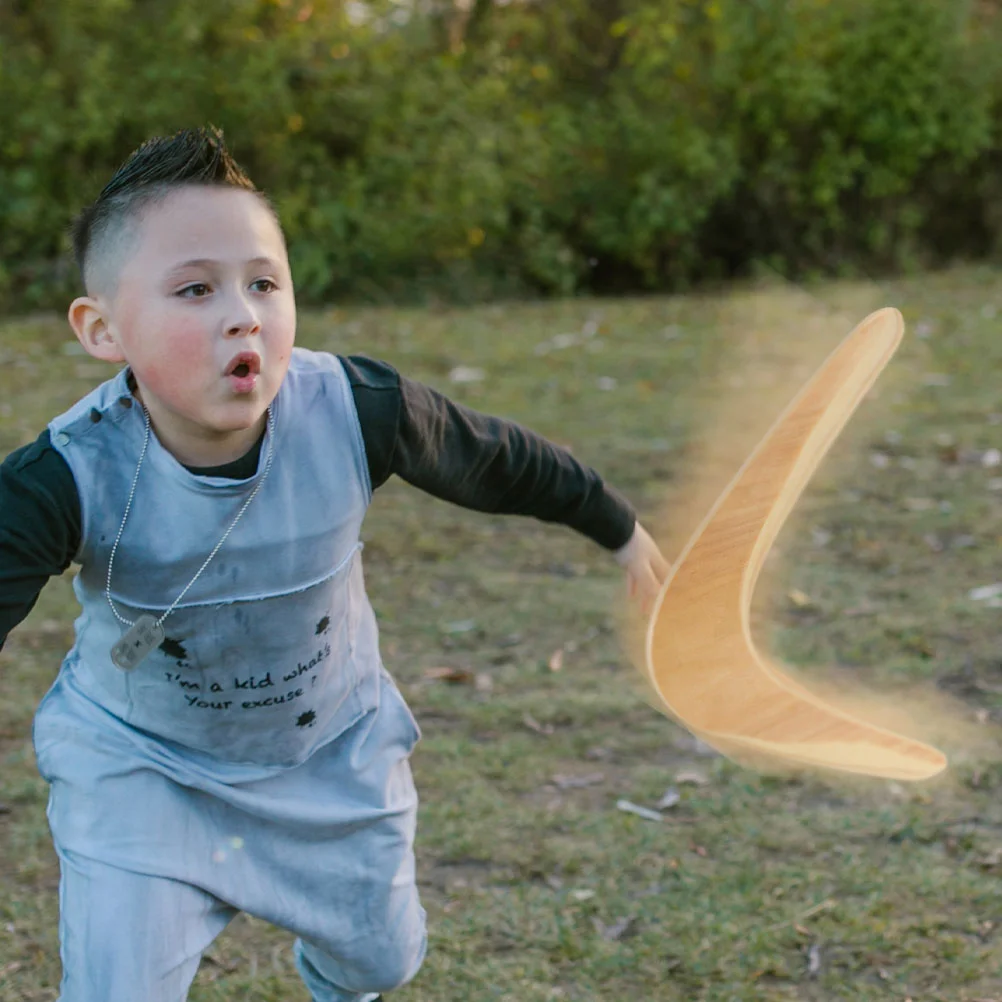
(223, 735)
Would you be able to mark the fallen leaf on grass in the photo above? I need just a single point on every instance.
(534, 725)
(582, 894)
(577, 782)
(866, 609)
(821, 906)
(484, 683)
(991, 458)
(692, 776)
(820, 537)
(799, 599)
(699, 850)
(933, 542)
(896, 791)
(992, 860)
(466, 374)
(642, 812)
(559, 342)
(221, 964)
(460, 626)
(974, 781)
(670, 798)
(556, 661)
(617, 930)
(652, 890)
(813, 960)
(443, 673)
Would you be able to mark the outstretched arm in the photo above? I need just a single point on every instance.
(490, 464)
(39, 527)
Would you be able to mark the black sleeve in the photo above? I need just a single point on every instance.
(478, 461)
(39, 526)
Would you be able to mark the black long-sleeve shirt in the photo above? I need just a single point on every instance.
(448, 450)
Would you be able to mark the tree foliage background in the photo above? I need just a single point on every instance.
(470, 148)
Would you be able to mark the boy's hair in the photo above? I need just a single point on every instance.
(105, 232)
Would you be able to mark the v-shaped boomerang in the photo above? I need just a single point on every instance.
(700, 654)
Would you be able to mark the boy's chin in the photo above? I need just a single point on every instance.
(233, 423)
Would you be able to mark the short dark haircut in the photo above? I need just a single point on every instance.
(104, 232)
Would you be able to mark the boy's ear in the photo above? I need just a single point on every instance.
(89, 323)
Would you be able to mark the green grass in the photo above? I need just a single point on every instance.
(755, 887)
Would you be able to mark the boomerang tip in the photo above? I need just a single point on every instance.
(914, 763)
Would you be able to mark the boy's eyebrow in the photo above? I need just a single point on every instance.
(199, 261)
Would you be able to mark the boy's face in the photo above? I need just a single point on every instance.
(180, 325)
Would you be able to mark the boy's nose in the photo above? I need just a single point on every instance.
(242, 323)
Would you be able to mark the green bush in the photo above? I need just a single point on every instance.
(590, 145)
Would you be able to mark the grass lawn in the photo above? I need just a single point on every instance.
(752, 886)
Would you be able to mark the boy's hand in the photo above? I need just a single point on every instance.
(646, 568)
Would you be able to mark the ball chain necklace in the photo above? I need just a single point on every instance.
(146, 633)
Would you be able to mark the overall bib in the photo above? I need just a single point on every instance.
(257, 760)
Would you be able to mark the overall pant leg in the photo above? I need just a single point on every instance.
(126, 936)
(363, 930)
(381, 941)
(389, 961)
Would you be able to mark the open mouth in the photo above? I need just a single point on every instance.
(245, 364)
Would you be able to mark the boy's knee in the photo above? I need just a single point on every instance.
(381, 962)
(392, 963)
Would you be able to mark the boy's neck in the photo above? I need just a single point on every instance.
(206, 455)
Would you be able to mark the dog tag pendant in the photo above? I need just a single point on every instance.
(145, 634)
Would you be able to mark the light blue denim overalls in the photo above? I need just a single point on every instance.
(257, 760)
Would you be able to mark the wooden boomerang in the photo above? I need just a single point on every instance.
(700, 655)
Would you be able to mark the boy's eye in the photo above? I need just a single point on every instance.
(201, 285)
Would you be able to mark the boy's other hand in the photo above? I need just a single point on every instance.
(646, 569)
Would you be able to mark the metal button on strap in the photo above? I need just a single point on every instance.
(62, 438)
